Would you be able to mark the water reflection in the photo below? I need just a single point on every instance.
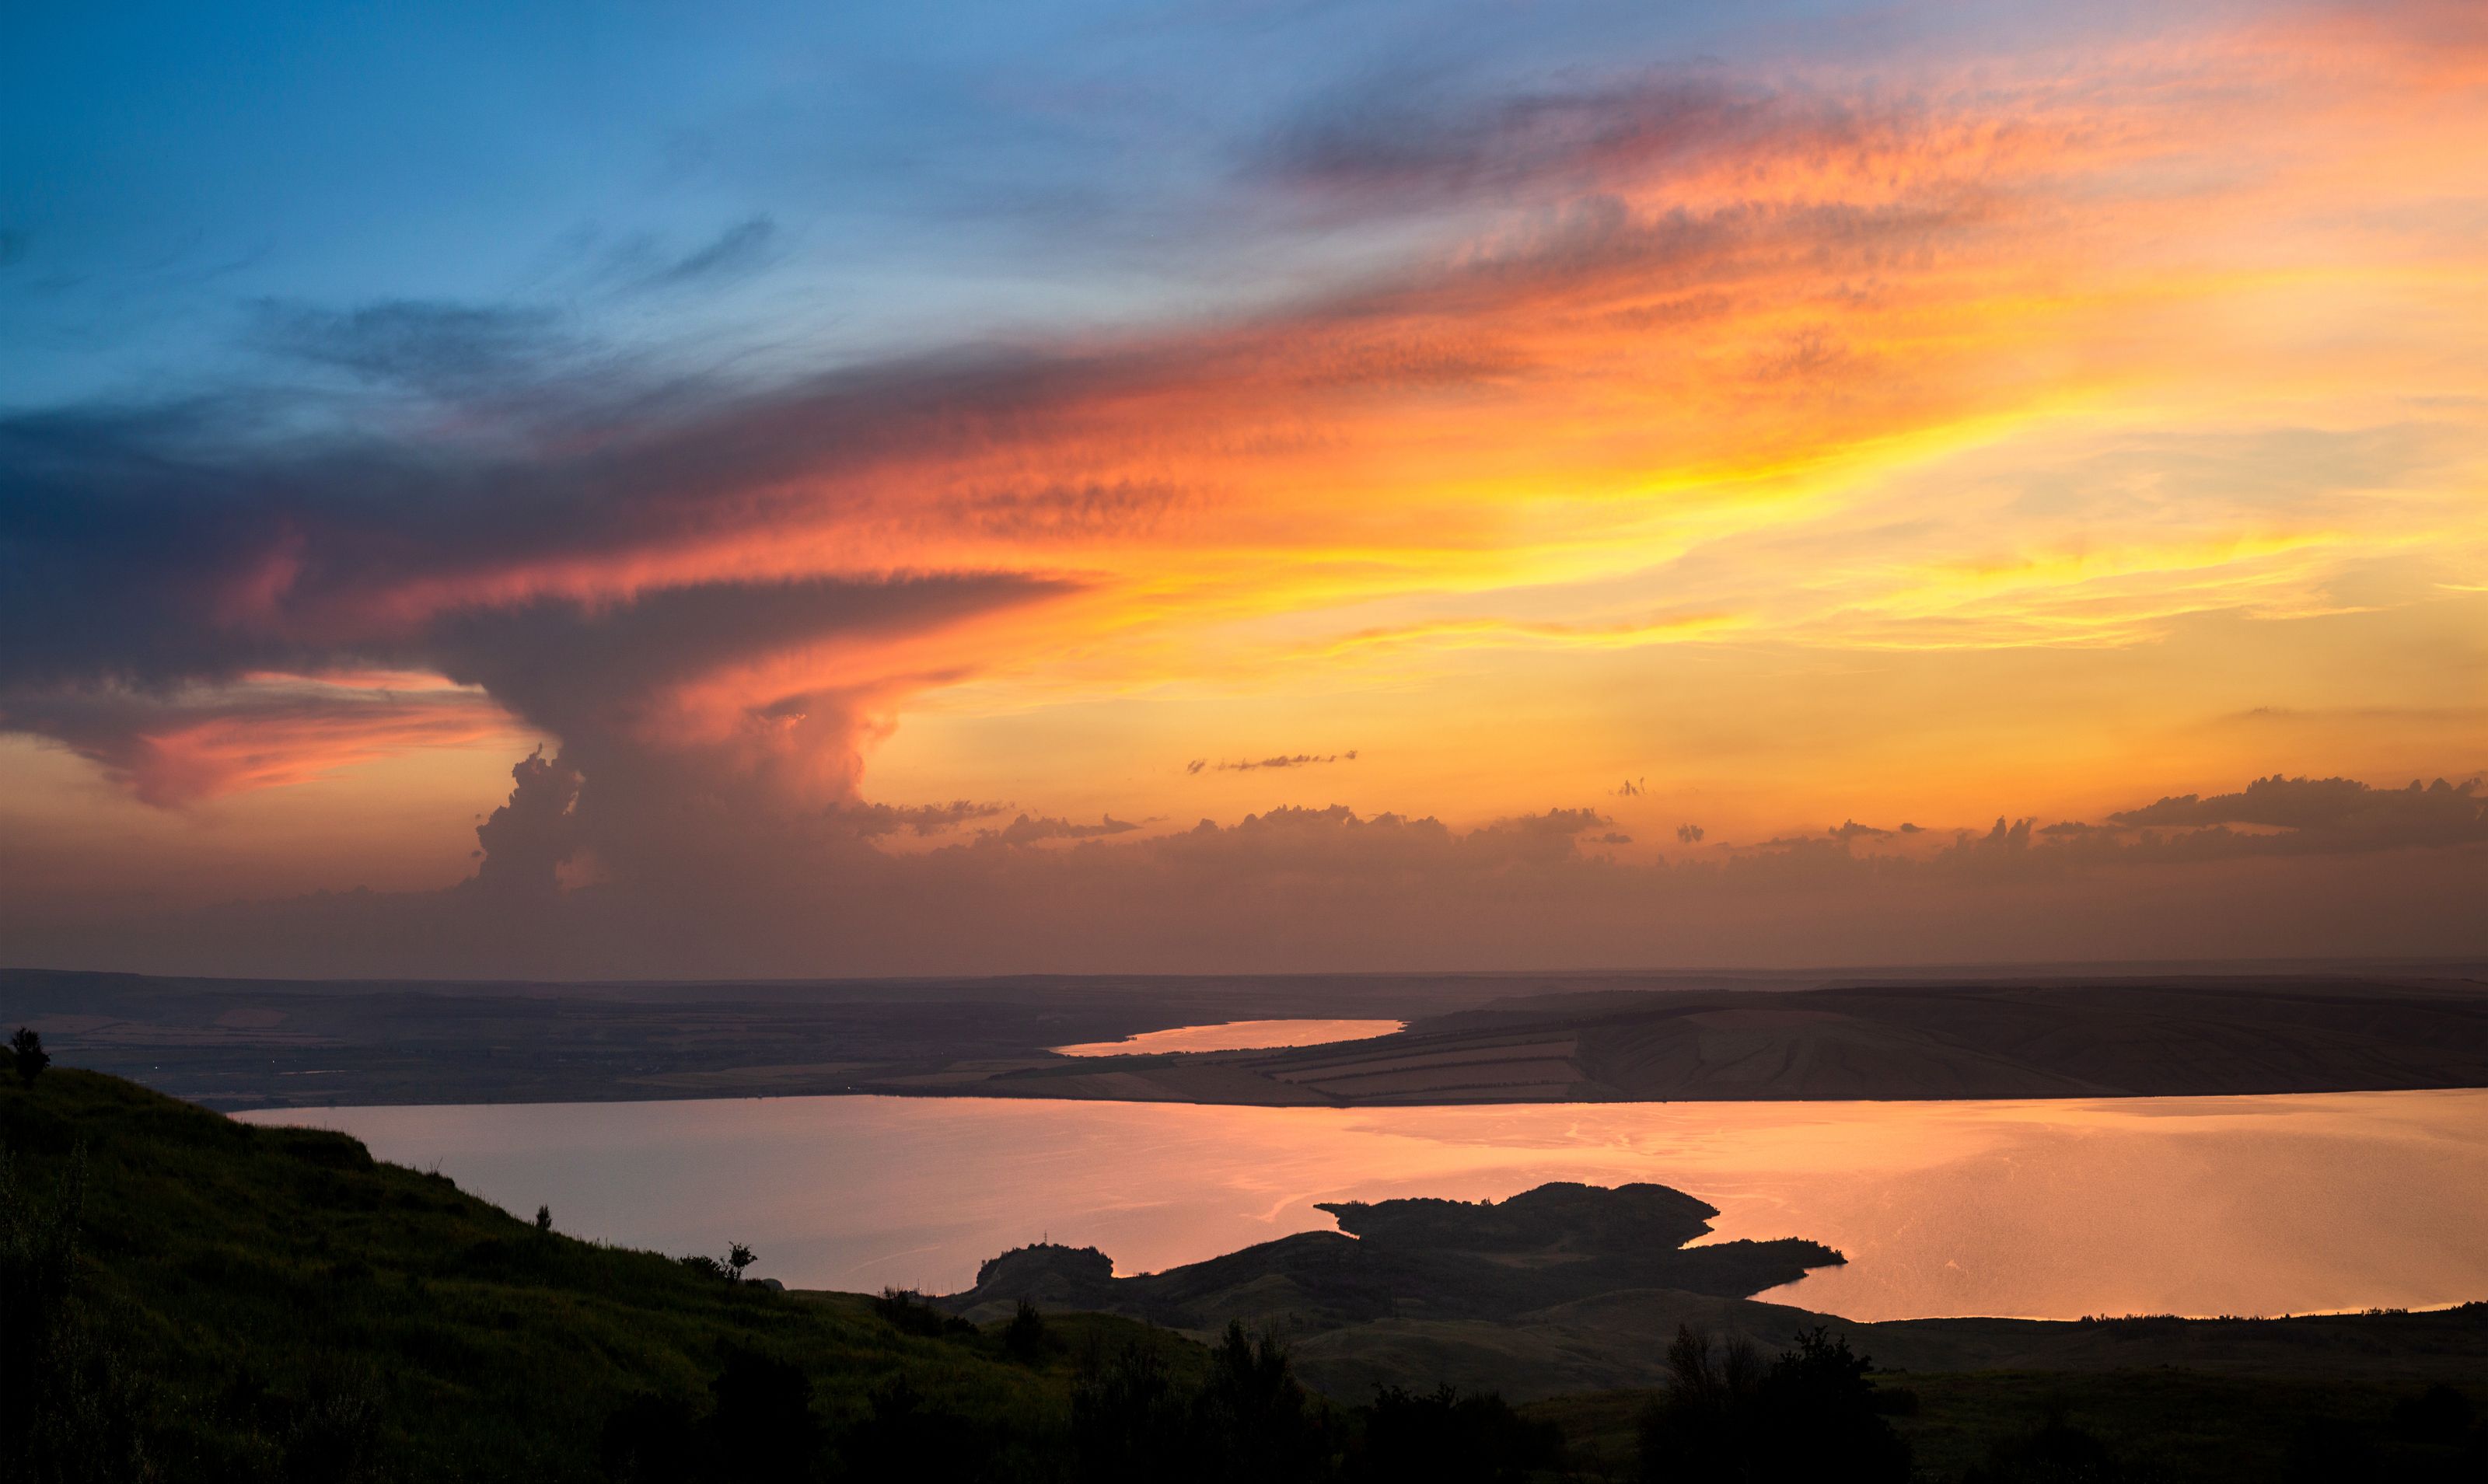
(2047, 1208)
(1236, 1036)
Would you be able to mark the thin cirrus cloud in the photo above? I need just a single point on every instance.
(1282, 760)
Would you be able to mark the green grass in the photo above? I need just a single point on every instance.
(251, 1276)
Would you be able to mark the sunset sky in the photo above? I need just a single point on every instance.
(1203, 487)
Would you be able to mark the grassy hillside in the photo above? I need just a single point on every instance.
(269, 1303)
(185, 1298)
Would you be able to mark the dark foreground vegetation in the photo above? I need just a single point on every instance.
(185, 1298)
(2120, 1427)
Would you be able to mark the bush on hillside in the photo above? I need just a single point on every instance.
(1025, 1338)
(910, 1312)
(1249, 1420)
(1444, 1437)
(1809, 1415)
(27, 1056)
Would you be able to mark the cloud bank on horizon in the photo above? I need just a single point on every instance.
(768, 425)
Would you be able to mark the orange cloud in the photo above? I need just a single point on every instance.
(202, 744)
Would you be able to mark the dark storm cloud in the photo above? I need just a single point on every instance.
(188, 501)
(562, 663)
(145, 551)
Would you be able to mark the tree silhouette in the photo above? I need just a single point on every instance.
(1810, 1414)
(1025, 1338)
(1253, 1420)
(26, 1051)
(1443, 1437)
(912, 1313)
(1127, 1424)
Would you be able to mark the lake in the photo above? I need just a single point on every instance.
(2056, 1208)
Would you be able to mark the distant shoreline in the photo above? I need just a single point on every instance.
(1470, 1039)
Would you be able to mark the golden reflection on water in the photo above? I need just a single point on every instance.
(2047, 1209)
(1236, 1036)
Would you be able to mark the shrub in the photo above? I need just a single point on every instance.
(1811, 1414)
(1423, 1437)
(1025, 1338)
(1253, 1419)
(910, 1312)
(1127, 1425)
(907, 1437)
(27, 1055)
(1249, 1420)
(725, 1270)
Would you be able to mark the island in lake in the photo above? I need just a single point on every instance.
(1572, 1288)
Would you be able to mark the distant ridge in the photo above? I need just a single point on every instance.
(1481, 1038)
